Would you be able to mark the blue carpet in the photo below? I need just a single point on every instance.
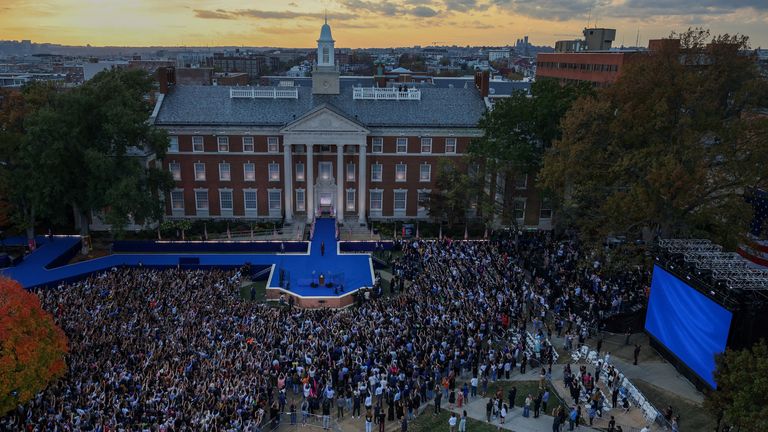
(353, 271)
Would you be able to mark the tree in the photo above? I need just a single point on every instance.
(669, 148)
(32, 346)
(520, 128)
(741, 398)
(454, 190)
(91, 148)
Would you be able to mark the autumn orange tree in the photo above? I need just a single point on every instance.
(32, 346)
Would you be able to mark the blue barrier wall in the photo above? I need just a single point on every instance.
(365, 246)
(134, 246)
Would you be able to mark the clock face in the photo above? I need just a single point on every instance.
(326, 84)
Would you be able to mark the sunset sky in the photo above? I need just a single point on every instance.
(367, 23)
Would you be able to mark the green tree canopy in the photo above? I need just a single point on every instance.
(741, 398)
(453, 193)
(90, 148)
(669, 148)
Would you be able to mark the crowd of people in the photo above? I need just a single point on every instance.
(176, 349)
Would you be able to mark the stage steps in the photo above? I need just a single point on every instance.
(353, 230)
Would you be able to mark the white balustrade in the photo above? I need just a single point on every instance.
(264, 93)
(386, 93)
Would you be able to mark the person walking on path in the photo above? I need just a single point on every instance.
(637, 353)
(452, 422)
(322, 248)
(463, 422)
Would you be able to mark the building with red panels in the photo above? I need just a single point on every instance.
(600, 68)
(293, 153)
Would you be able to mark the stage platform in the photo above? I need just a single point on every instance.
(353, 271)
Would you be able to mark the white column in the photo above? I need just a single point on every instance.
(340, 182)
(288, 174)
(362, 192)
(310, 186)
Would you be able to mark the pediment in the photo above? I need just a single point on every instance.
(325, 119)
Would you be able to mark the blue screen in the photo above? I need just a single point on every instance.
(688, 323)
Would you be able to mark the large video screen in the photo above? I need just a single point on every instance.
(688, 323)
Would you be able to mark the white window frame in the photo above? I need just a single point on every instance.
(231, 200)
(273, 172)
(399, 211)
(525, 181)
(381, 200)
(420, 208)
(380, 171)
(351, 171)
(426, 141)
(276, 211)
(548, 207)
(251, 211)
(514, 209)
(249, 145)
(450, 143)
(377, 145)
(401, 141)
(198, 201)
(225, 171)
(222, 144)
(175, 169)
(300, 176)
(198, 144)
(252, 172)
(175, 209)
(173, 144)
(405, 172)
(198, 178)
(273, 145)
(350, 206)
(421, 173)
(328, 166)
(301, 200)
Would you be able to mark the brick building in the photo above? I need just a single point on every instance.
(335, 148)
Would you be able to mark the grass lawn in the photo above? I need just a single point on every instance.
(693, 417)
(523, 389)
(260, 291)
(431, 423)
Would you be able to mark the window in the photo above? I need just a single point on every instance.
(425, 172)
(325, 169)
(474, 170)
(350, 200)
(376, 170)
(376, 200)
(423, 198)
(400, 200)
(223, 144)
(248, 144)
(275, 201)
(546, 209)
(521, 181)
(175, 169)
(177, 200)
(299, 171)
(225, 199)
(450, 145)
(274, 172)
(402, 145)
(426, 145)
(350, 172)
(225, 173)
(519, 209)
(272, 145)
(199, 171)
(173, 144)
(197, 144)
(249, 199)
(401, 172)
(326, 55)
(377, 145)
(249, 172)
(300, 200)
(201, 199)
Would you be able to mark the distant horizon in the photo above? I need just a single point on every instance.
(367, 23)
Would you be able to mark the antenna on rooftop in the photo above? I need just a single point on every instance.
(589, 16)
(637, 38)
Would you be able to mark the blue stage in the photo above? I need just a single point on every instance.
(353, 271)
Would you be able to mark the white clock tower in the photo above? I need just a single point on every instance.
(325, 74)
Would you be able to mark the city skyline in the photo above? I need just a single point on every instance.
(365, 23)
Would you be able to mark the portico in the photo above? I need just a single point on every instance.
(316, 133)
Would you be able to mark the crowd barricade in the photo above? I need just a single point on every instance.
(154, 246)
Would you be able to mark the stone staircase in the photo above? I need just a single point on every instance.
(353, 230)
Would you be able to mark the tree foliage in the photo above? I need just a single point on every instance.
(88, 147)
(453, 193)
(741, 397)
(32, 347)
(669, 148)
